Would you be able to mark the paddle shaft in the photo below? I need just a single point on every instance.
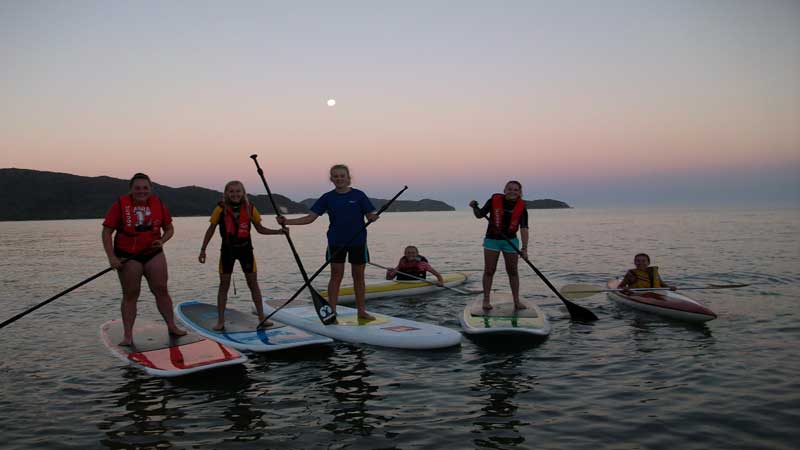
(427, 281)
(336, 253)
(64, 292)
(324, 310)
(576, 312)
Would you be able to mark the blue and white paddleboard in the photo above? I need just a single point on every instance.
(385, 331)
(240, 329)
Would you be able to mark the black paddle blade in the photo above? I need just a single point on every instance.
(324, 309)
(579, 313)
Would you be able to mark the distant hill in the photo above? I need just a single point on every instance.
(425, 204)
(36, 195)
(546, 204)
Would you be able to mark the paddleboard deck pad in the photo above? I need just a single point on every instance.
(388, 289)
(664, 303)
(240, 329)
(160, 354)
(384, 331)
(503, 319)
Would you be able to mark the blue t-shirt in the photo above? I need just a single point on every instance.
(346, 213)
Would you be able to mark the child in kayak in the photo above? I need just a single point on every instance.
(346, 208)
(412, 263)
(235, 216)
(507, 214)
(643, 276)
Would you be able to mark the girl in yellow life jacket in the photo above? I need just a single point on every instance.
(644, 275)
(235, 216)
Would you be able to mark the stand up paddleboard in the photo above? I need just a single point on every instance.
(664, 303)
(388, 289)
(384, 331)
(240, 329)
(503, 321)
(160, 354)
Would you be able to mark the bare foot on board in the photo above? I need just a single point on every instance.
(219, 326)
(126, 343)
(175, 331)
(365, 316)
(486, 305)
(266, 324)
(519, 305)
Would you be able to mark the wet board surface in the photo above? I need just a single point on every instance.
(385, 331)
(240, 329)
(503, 317)
(158, 353)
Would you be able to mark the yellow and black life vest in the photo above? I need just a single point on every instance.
(645, 278)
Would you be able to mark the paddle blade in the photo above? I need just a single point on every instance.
(579, 313)
(578, 291)
(324, 309)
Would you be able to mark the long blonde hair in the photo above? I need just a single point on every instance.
(227, 200)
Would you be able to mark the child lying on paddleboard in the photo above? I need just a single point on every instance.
(412, 263)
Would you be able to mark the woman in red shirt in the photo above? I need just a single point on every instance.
(137, 250)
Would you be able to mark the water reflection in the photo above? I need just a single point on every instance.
(152, 412)
(501, 381)
(349, 384)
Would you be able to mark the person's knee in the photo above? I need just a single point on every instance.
(130, 296)
(512, 272)
(159, 290)
(489, 271)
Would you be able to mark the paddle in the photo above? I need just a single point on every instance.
(460, 291)
(578, 291)
(323, 308)
(576, 312)
(65, 291)
(336, 253)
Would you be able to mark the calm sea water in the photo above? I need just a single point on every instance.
(626, 381)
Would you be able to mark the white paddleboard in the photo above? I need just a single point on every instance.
(503, 320)
(240, 329)
(384, 331)
(160, 354)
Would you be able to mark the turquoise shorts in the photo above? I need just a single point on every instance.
(500, 245)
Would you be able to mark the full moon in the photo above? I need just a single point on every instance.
(331, 102)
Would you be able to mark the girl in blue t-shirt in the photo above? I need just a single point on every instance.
(346, 208)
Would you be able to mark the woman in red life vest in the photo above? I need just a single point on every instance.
(137, 219)
(412, 263)
(235, 216)
(507, 214)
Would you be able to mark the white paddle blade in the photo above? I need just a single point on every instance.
(578, 291)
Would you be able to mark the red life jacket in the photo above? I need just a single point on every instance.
(237, 231)
(130, 240)
(417, 268)
(497, 214)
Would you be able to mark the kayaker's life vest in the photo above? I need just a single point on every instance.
(232, 230)
(646, 278)
(417, 268)
(497, 214)
(138, 231)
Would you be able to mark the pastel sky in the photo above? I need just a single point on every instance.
(608, 103)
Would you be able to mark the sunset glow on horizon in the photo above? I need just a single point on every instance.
(579, 102)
